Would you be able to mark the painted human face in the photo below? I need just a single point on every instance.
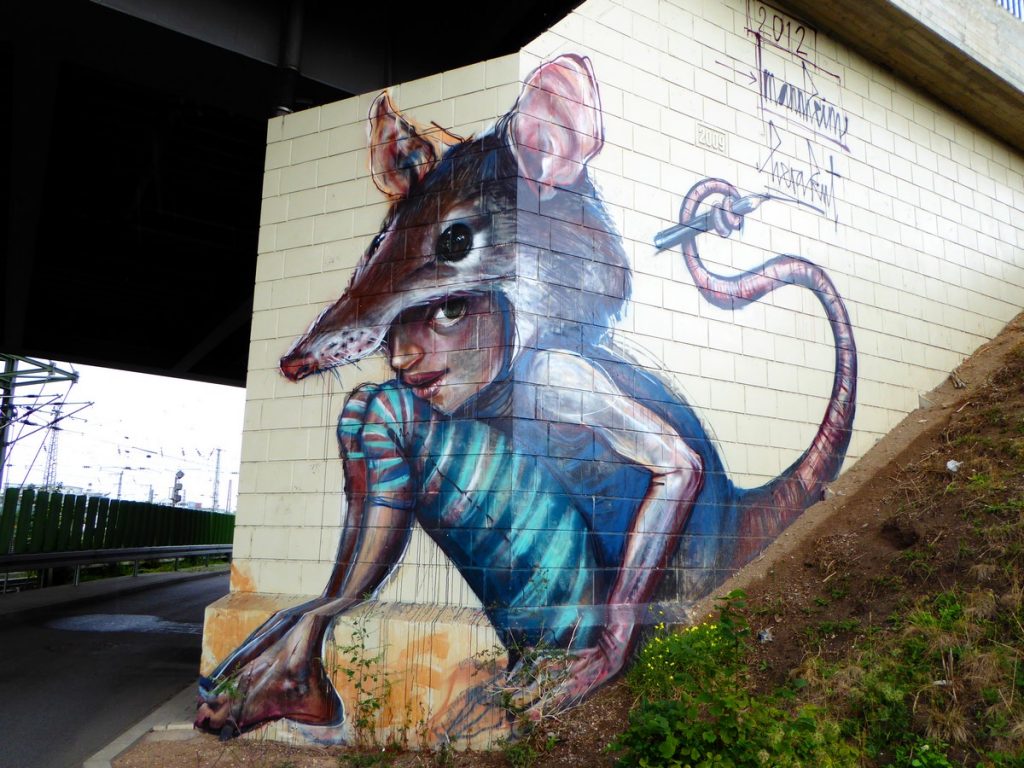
(448, 350)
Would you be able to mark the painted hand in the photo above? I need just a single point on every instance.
(287, 680)
(549, 684)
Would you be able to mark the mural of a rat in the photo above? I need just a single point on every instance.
(563, 475)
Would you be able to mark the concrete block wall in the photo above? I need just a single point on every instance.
(907, 208)
(320, 212)
(979, 30)
(918, 233)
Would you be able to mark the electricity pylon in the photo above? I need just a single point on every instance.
(17, 372)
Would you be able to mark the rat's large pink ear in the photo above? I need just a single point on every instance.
(402, 152)
(556, 127)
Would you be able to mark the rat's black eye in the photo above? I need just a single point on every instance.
(454, 243)
(375, 244)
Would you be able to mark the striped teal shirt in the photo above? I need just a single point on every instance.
(499, 515)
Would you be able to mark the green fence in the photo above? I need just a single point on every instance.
(37, 521)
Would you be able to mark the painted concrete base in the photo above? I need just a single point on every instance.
(415, 675)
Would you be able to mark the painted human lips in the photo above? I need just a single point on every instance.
(424, 385)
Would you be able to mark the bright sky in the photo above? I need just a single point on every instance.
(139, 431)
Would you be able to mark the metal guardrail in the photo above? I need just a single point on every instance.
(33, 561)
(36, 560)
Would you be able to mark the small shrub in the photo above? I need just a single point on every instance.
(1003, 760)
(696, 710)
(519, 753)
(921, 754)
(675, 661)
(369, 679)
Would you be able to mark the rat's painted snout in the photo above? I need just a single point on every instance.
(345, 332)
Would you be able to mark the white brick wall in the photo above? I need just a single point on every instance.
(320, 209)
(925, 251)
(922, 242)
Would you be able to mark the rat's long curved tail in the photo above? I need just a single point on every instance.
(765, 511)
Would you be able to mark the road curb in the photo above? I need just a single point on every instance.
(174, 714)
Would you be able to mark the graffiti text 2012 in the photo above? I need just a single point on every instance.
(786, 33)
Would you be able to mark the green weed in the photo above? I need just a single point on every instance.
(520, 753)
(921, 754)
(356, 760)
(994, 417)
(362, 668)
(1012, 507)
(696, 710)
(827, 629)
(983, 482)
(917, 562)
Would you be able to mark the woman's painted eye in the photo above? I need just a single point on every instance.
(454, 243)
(450, 312)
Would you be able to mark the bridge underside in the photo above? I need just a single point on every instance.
(138, 130)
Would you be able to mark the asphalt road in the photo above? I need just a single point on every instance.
(74, 678)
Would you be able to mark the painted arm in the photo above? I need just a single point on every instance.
(378, 524)
(379, 492)
(279, 671)
(580, 392)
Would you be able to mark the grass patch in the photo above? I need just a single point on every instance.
(696, 708)
(933, 679)
(910, 697)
